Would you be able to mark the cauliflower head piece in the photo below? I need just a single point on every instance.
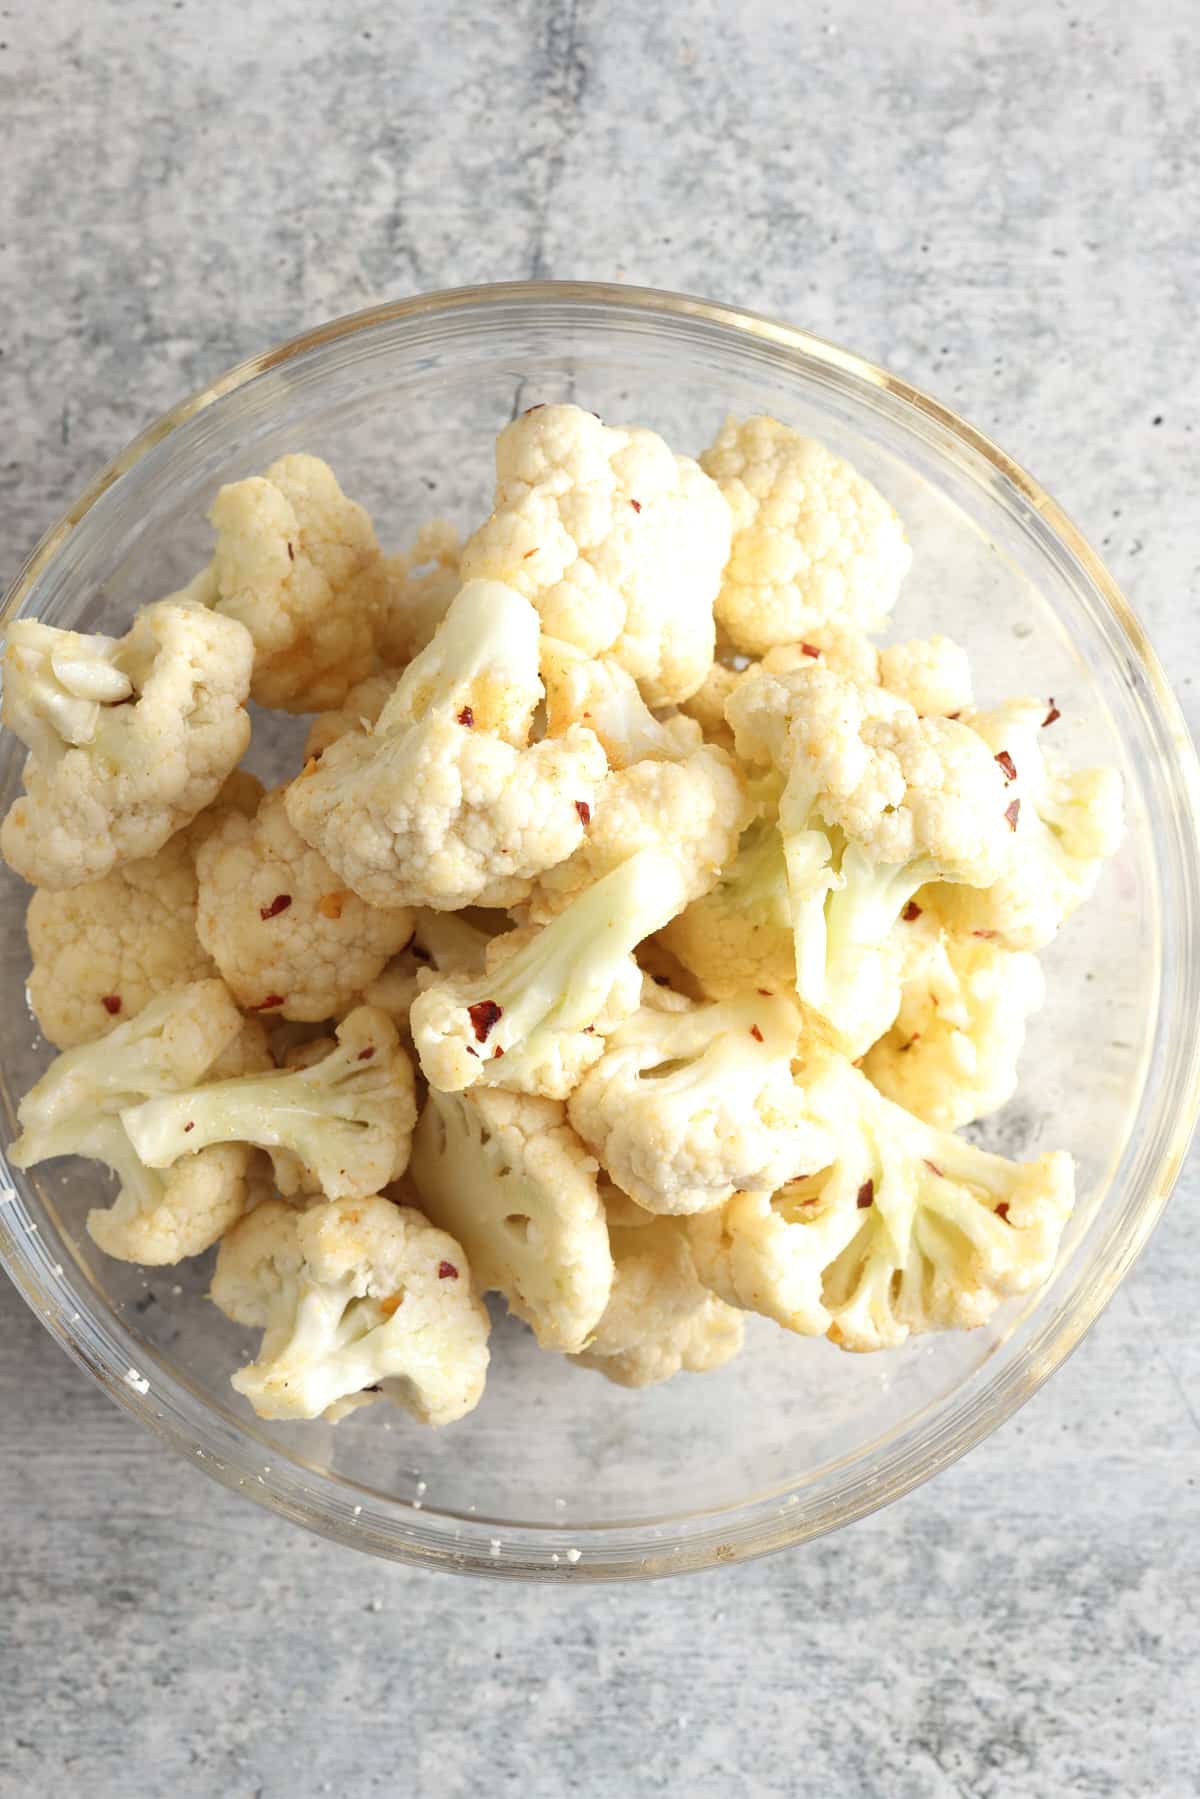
(297, 563)
(506, 1175)
(284, 932)
(445, 803)
(737, 937)
(352, 1296)
(618, 542)
(597, 692)
(686, 1108)
(812, 541)
(129, 738)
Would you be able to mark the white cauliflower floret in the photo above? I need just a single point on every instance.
(812, 541)
(597, 692)
(618, 542)
(286, 935)
(1066, 823)
(951, 1055)
(351, 1297)
(659, 1319)
(128, 740)
(507, 1176)
(444, 942)
(931, 673)
(539, 1014)
(686, 1108)
(75, 1110)
(876, 802)
(342, 1126)
(904, 1229)
(359, 711)
(421, 585)
(445, 803)
(298, 565)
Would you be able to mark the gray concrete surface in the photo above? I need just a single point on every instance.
(1001, 204)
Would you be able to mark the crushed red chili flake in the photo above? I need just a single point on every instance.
(915, 1038)
(279, 904)
(364, 1055)
(809, 649)
(866, 1195)
(1002, 1210)
(636, 504)
(291, 551)
(756, 1033)
(985, 933)
(584, 811)
(190, 1125)
(267, 1005)
(530, 409)
(497, 1053)
(528, 554)
(485, 1014)
(1008, 765)
(765, 991)
(466, 717)
(1051, 715)
(447, 1271)
(911, 911)
(954, 715)
(473, 1052)
(1012, 813)
(112, 1004)
(933, 1168)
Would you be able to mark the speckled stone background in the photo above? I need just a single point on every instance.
(1000, 202)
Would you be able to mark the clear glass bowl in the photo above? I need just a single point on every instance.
(559, 1474)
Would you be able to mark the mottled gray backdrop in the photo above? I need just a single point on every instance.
(998, 201)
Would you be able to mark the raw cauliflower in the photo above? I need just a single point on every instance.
(297, 563)
(130, 738)
(421, 585)
(597, 692)
(506, 1175)
(285, 933)
(445, 803)
(812, 541)
(357, 1299)
(618, 542)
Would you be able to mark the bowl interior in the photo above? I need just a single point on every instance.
(406, 410)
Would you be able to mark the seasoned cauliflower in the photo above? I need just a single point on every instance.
(507, 1176)
(903, 1229)
(341, 1123)
(597, 692)
(659, 1319)
(421, 585)
(129, 738)
(1065, 824)
(738, 936)
(359, 711)
(539, 1013)
(951, 1055)
(445, 803)
(685, 1108)
(359, 1299)
(812, 541)
(618, 542)
(284, 932)
(298, 565)
(441, 943)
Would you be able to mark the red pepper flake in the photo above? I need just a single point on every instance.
(473, 1052)
(267, 1005)
(484, 1016)
(364, 1055)
(911, 911)
(466, 717)
(528, 554)
(190, 1125)
(291, 551)
(915, 1038)
(1012, 813)
(111, 1003)
(954, 715)
(810, 649)
(636, 504)
(1002, 1210)
(985, 933)
(756, 1033)
(1008, 765)
(279, 904)
(584, 811)
(765, 991)
(1051, 715)
(497, 1053)
(866, 1195)
(447, 1271)
(530, 409)
(933, 1168)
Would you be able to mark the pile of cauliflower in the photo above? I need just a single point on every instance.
(632, 940)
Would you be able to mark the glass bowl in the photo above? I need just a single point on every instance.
(560, 1474)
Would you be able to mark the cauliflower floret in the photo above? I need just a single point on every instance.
(342, 1126)
(877, 801)
(298, 565)
(507, 1176)
(685, 1108)
(444, 803)
(738, 936)
(659, 1319)
(951, 1056)
(1066, 823)
(353, 1296)
(441, 941)
(597, 692)
(812, 541)
(359, 711)
(286, 935)
(618, 542)
(539, 1014)
(931, 673)
(904, 1229)
(421, 585)
(128, 740)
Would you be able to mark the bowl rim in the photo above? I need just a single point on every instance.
(753, 1527)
